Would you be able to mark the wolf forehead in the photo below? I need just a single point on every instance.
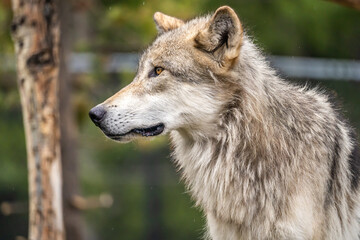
(173, 53)
(171, 44)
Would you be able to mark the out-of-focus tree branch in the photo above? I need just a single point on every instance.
(349, 3)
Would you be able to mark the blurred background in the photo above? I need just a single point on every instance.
(132, 191)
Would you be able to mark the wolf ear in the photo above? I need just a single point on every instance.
(166, 23)
(222, 36)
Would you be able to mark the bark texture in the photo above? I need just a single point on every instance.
(35, 31)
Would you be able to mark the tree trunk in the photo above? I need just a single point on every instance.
(74, 224)
(36, 35)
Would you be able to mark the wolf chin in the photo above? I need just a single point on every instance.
(263, 158)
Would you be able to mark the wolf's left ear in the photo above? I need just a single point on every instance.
(222, 36)
(166, 23)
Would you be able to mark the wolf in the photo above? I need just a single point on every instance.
(262, 158)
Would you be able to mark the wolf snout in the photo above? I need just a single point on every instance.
(97, 114)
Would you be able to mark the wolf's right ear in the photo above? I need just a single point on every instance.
(222, 36)
(166, 23)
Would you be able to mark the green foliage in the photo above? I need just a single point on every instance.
(6, 45)
(129, 26)
(13, 175)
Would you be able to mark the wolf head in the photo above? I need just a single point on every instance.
(180, 79)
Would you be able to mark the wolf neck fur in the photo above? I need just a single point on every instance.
(237, 160)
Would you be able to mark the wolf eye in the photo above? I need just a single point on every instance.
(158, 70)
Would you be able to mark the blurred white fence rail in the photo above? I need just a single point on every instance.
(293, 67)
(317, 68)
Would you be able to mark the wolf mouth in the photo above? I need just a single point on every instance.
(145, 132)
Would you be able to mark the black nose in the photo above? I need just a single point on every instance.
(97, 114)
